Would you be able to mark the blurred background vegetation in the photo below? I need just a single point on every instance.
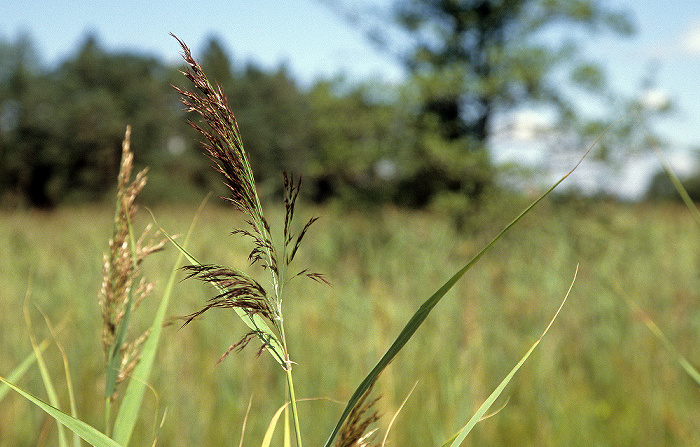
(598, 378)
(417, 143)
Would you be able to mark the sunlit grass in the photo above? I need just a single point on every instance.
(600, 375)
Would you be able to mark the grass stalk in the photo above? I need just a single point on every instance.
(293, 402)
(290, 380)
(123, 289)
(689, 369)
(45, 376)
(23, 367)
(69, 381)
(676, 182)
(458, 438)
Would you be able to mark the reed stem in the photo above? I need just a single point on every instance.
(293, 401)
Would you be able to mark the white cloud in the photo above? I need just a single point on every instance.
(529, 125)
(690, 41)
(655, 99)
(683, 44)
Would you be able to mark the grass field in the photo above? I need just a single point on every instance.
(598, 378)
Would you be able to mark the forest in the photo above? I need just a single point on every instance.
(422, 142)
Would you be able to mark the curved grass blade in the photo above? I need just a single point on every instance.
(245, 420)
(676, 182)
(393, 419)
(267, 439)
(659, 334)
(425, 309)
(133, 397)
(22, 368)
(69, 381)
(87, 432)
(459, 437)
(45, 376)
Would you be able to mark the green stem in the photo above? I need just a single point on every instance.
(293, 400)
(108, 411)
(290, 384)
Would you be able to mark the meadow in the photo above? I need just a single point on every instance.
(598, 378)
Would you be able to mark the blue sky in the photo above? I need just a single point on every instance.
(314, 42)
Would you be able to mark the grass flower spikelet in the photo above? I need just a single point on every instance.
(123, 289)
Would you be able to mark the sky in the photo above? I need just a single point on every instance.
(313, 41)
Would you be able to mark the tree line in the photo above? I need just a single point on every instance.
(412, 144)
(61, 129)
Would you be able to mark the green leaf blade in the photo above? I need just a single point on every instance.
(422, 313)
(87, 432)
(457, 440)
(133, 397)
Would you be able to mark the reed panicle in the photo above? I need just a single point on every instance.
(123, 289)
(223, 144)
(354, 432)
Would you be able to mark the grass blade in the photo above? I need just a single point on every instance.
(267, 439)
(670, 347)
(86, 432)
(69, 381)
(459, 437)
(676, 182)
(45, 376)
(245, 420)
(393, 419)
(22, 368)
(425, 309)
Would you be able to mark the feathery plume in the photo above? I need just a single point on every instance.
(223, 145)
(354, 432)
(120, 293)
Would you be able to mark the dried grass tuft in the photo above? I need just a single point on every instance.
(354, 432)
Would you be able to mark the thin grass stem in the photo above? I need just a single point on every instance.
(293, 401)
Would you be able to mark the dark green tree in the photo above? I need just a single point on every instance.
(273, 115)
(26, 124)
(103, 92)
(661, 188)
(63, 128)
(344, 140)
(271, 110)
(217, 63)
(359, 140)
(471, 59)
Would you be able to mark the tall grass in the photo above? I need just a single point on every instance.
(599, 373)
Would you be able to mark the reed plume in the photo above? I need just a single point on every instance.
(123, 288)
(223, 145)
(260, 309)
